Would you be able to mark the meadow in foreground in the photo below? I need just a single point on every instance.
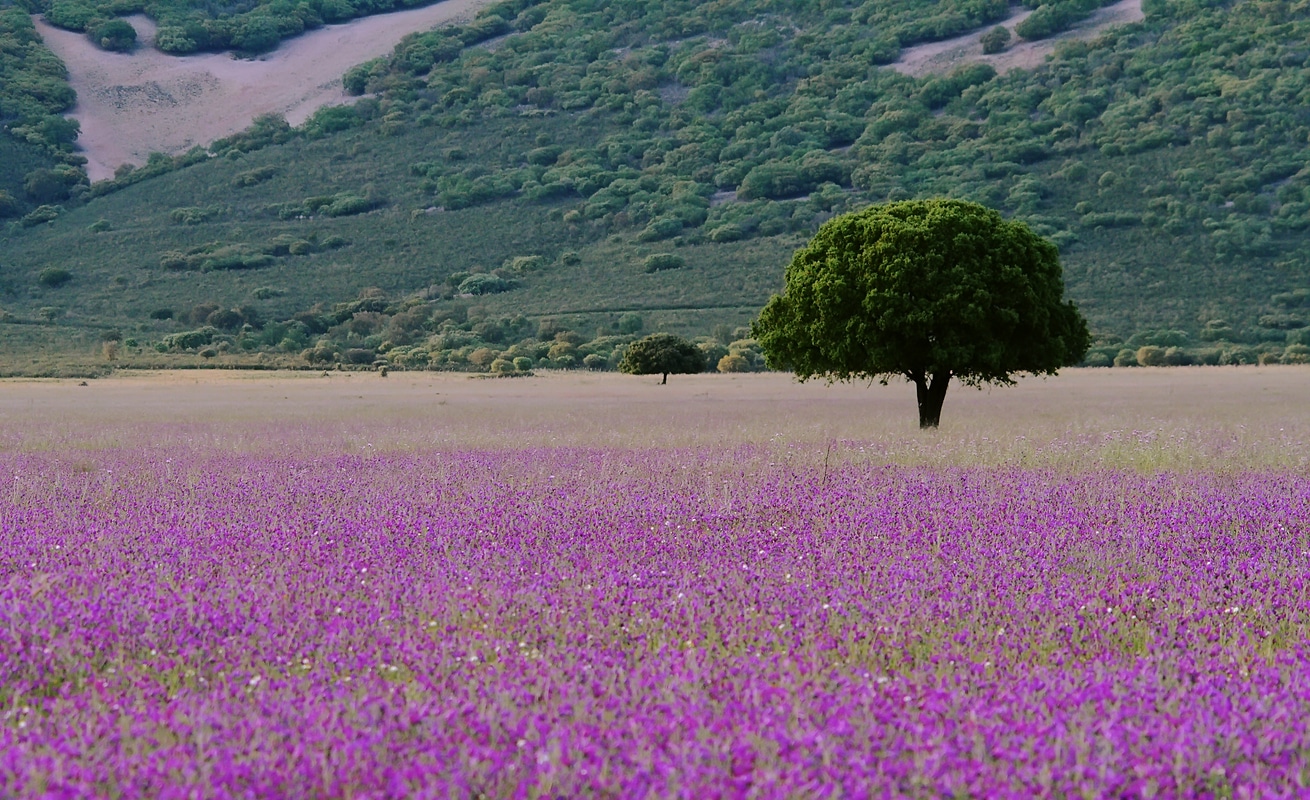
(238, 607)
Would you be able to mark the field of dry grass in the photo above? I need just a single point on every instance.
(1184, 418)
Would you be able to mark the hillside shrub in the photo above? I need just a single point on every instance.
(733, 362)
(659, 262)
(1053, 17)
(995, 40)
(1177, 357)
(359, 355)
(211, 257)
(71, 15)
(1111, 219)
(483, 283)
(190, 215)
(189, 340)
(54, 277)
(50, 185)
(730, 232)
(115, 35)
(253, 177)
(1150, 356)
(785, 179)
(40, 215)
(1239, 355)
(526, 264)
(1296, 354)
(234, 257)
(661, 228)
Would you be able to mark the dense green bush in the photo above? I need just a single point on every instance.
(995, 40)
(115, 35)
(214, 256)
(189, 340)
(191, 215)
(252, 177)
(659, 262)
(9, 205)
(41, 214)
(484, 283)
(1052, 17)
(54, 277)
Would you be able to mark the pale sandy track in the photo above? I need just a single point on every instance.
(130, 105)
(946, 55)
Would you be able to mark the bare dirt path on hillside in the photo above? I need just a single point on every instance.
(946, 55)
(130, 105)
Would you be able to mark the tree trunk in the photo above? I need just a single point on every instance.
(931, 395)
(665, 380)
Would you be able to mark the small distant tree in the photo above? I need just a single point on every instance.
(995, 40)
(115, 34)
(662, 354)
(45, 186)
(1151, 356)
(631, 323)
(54, 277)
(659, 262)
(734, 362)
(926, 289)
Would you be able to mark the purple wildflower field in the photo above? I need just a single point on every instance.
(288, 619)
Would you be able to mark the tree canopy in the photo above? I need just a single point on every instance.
(926, 289)
(662, 354)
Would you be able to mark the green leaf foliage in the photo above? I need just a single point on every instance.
(34, 93)
(662, 354)
(916, 288)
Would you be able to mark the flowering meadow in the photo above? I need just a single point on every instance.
(303, 614)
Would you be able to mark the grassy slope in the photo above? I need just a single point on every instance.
(1183, 127)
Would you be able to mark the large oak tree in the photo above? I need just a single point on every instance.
(926, 289)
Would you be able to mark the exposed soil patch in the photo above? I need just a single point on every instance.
(133, 104)
(941, 57)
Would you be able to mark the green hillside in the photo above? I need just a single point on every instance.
(37, 158)
(611, 167)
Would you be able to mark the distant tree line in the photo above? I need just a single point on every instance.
(415, 333)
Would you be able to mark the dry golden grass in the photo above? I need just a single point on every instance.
(1182, 418)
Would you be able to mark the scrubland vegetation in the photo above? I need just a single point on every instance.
(37, 160)
(666, 162)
